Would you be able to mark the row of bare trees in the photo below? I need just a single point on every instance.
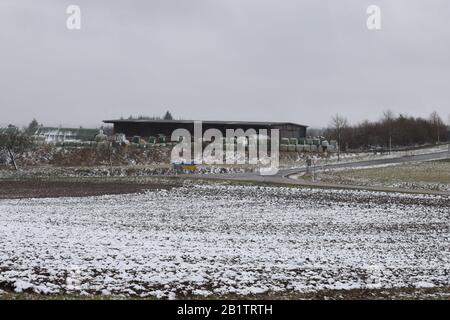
(390, 130)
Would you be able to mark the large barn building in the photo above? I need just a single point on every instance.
(147, 128)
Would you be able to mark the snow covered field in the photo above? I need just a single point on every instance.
(224, 239)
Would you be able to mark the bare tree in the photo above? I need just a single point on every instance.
(388, 120)
(113, 147)
(448, 132)
(437, 124)
(14, 141)
(338, 124)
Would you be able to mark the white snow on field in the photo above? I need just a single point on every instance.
(218, 239)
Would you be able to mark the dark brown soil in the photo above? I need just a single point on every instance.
(33, 188)
(355, 294)
(370, 294)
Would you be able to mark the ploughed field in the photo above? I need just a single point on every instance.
(220, 239)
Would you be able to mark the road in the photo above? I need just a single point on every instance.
(285, 176)
(368, 163)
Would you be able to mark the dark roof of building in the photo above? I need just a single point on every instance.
(252, 123)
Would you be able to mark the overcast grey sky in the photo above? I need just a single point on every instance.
(278, 60)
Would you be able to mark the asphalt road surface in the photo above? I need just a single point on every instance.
(284, 176)
(368, 163)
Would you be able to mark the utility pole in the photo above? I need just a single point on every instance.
(308, 164)
(314, 171)
(390, 144)
(339, 146)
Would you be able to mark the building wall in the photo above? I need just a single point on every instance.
(145, 129)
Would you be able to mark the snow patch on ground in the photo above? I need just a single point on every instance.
(224, 239)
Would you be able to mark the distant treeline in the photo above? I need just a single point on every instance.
(167, 116)
(401, 130)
